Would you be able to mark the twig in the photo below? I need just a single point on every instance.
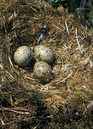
(7, 72)
(52, 92)
(86, 36)
(83, 37)
(56, 26)
(79, 47)
(33, 9)
(8, 49)
(91, 63)
(69, 75)
(11, 63)
(27, 113)
(29, 78)
(61, 25)
(90, 105)
(66, 27)
(2, 121)
(18, 110)
(27, 7)
(19, 120)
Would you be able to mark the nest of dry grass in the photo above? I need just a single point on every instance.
(65, 102)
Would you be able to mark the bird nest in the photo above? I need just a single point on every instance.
(64, 102)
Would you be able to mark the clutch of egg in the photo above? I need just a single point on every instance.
(23, 56)
(42, 69)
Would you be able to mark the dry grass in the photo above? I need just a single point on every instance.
(65, 102)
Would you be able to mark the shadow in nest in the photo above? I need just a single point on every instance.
(15, 97)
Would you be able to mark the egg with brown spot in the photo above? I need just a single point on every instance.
(23, 56)
(43, 53)
(42, 69)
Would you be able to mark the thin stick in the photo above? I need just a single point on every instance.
(52, 92)
(19, 120)
(91, 63)
(56, 26)
(27, 113)
(33, 9)
(69, 75)
(2, 121)
(79, 47)
(90, 105)
(11, 63)
(17, 110)
(61, 25)
(7, 72)
(66, 27)
(29, 78)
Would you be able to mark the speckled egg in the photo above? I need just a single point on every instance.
(22, 56)
(43, 53)
(42, 69)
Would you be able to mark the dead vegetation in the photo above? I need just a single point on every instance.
(65, 102)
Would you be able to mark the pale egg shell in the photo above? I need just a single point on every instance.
(42, 69)
(43, 53)
(22, 56)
